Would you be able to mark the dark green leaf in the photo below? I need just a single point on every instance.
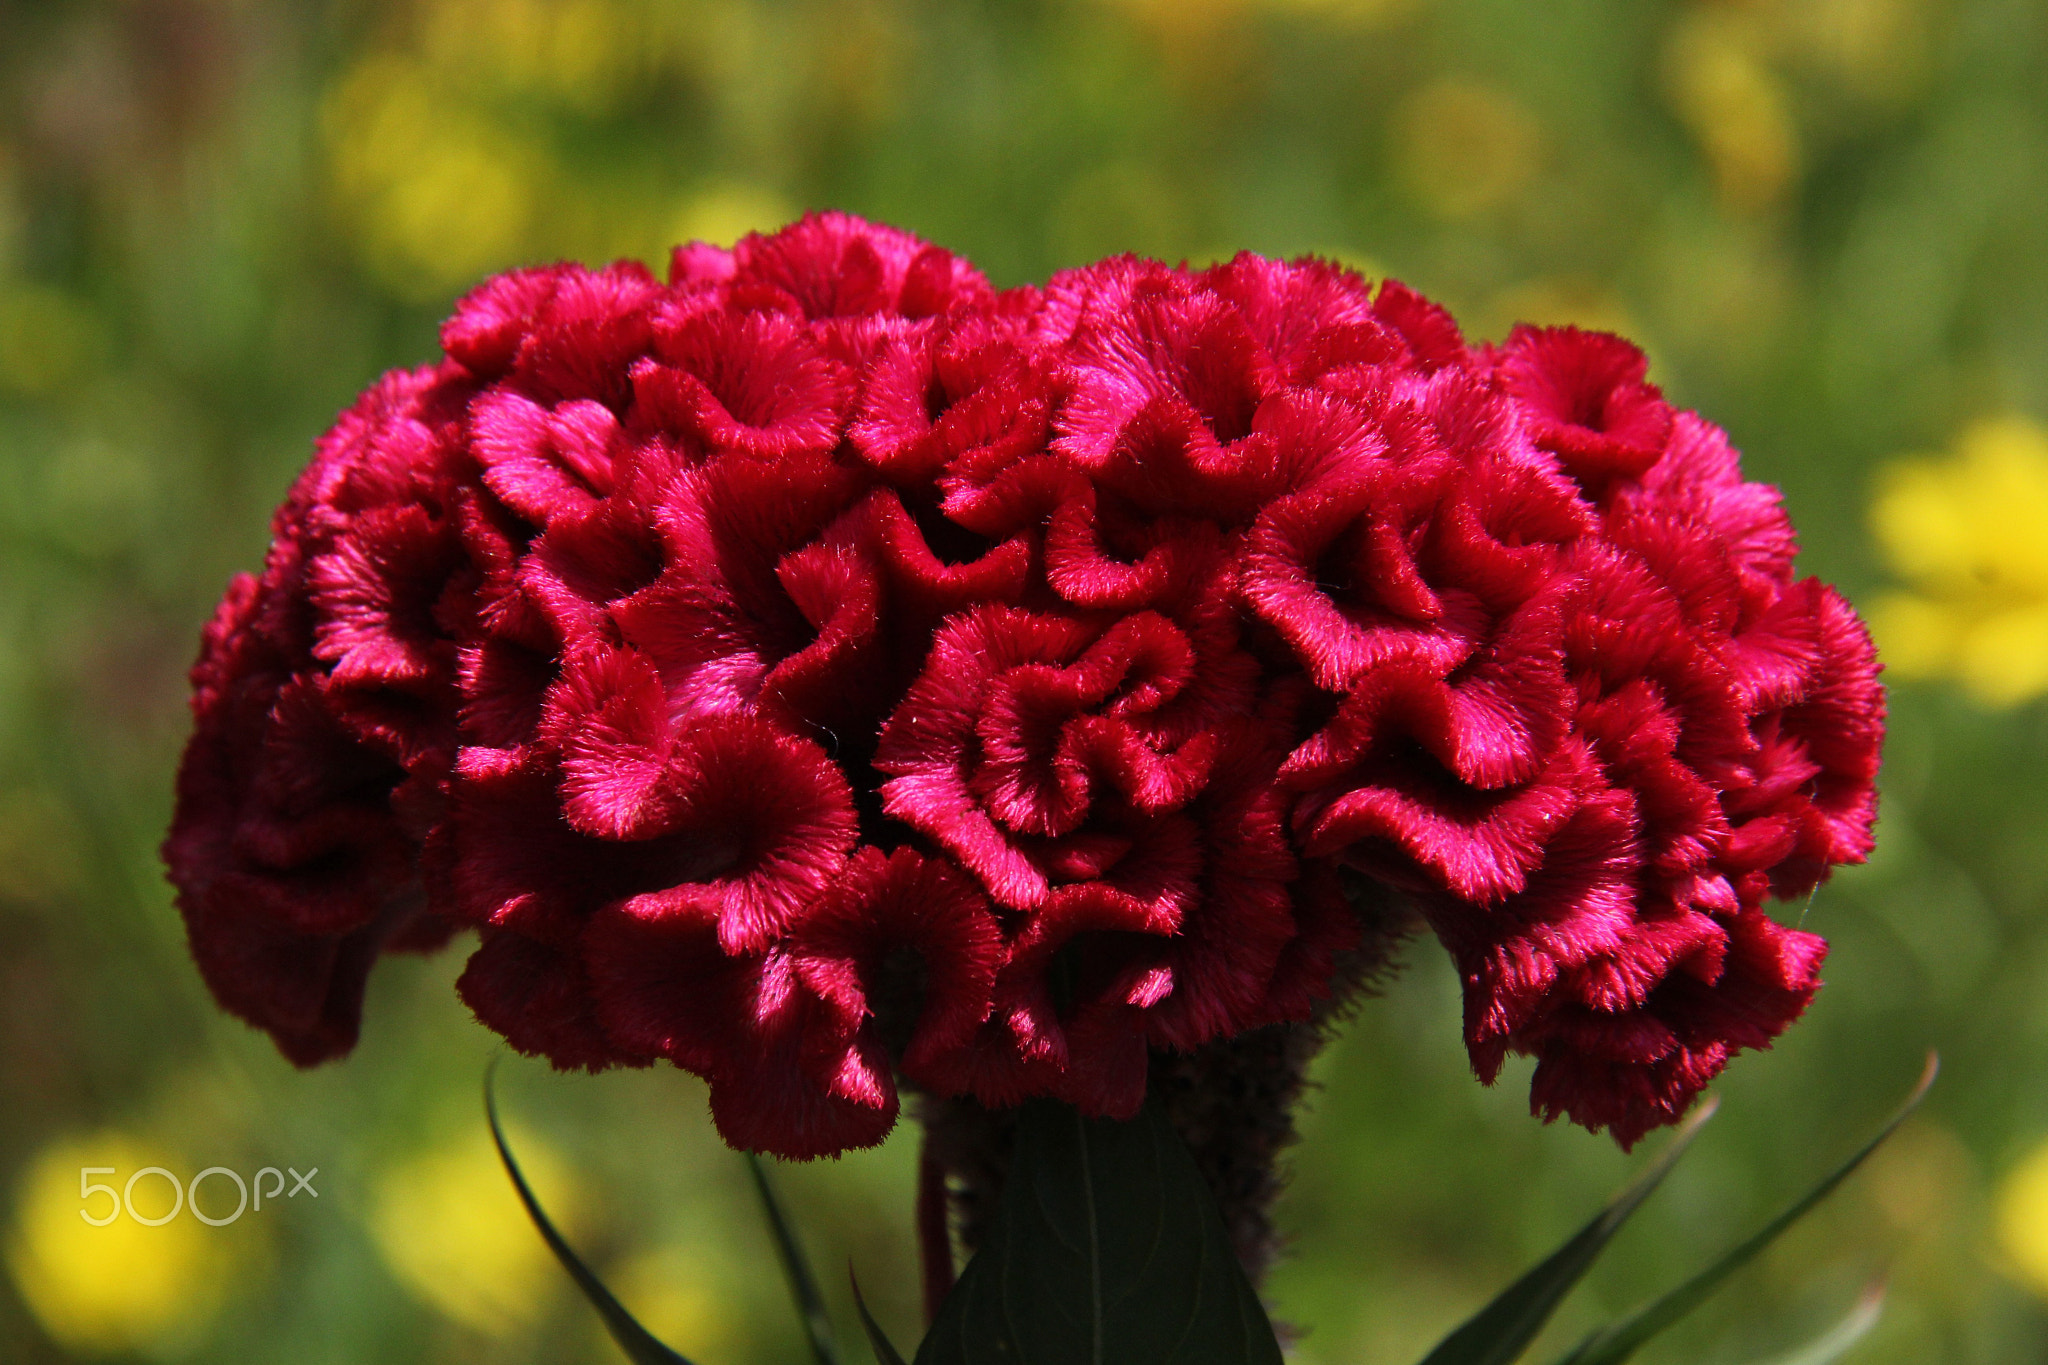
(803, 1286)
(1832, 1344)
(885, 1349)
(1502, 1330)
(1108, 1249)
(636, 1341)
(1616, 1343)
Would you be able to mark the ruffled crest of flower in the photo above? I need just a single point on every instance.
(1028, 735)
(1687, 659)
(1701, 472)
(696, 264)
(1587, 403)
(961, 392)
(493, 320)
(822, 671)
(770, 597)
(615, 801)
(835, 265)
(538, 995)
(903, 949)
(557, 333)
(757, 383)
(1309, 316)
(540, 461)
(324, 724)
(1433, 338)
(1635, 1069)
(1161, 395)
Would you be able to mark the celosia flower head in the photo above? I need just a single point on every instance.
(821, 670)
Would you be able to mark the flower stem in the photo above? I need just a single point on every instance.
(934, 1232)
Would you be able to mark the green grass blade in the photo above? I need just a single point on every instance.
(636, 1341)
(1614, 1344)
(803, 1286)
(885, 1349)
(1502, 1330)
(1831, 1345)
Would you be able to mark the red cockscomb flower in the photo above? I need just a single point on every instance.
(822, 669)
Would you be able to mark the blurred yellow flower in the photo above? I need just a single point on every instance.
(1463, 147)
(125, 1285)
(1353, 11)
(585, 53)
(446, 150)
(451, 1228)
(1922, 1179)
(1969, 533)
(683, 1298)
(1191, 13)
(723, 213)
(2023, 1220)
(1735, 106)
(1879, 49)
(1558, 301)
(438, 193)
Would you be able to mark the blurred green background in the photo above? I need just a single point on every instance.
(1827, 220)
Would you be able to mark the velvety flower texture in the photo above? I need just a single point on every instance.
(823, 671)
